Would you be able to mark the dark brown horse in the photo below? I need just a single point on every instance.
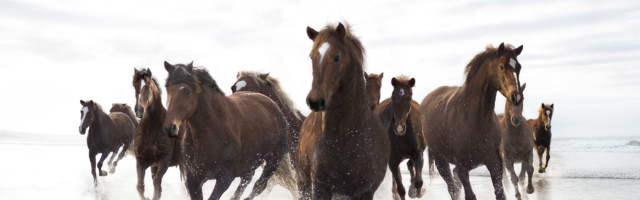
(107, 133)
(400, 115)
(460, 123)
(270, 87)
(374, 83)
(126, 109)
(542, 133)
(343, 147)
(229, 136)
(152, 146)
(517, 144)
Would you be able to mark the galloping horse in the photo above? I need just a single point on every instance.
(152, 146)
(270, 87)
(343, 148)
(460, 123)
(400, 115)
(228, 137)
(126, 109)
(542, 133)
(517, 144)
(107, 133)
(374, 83)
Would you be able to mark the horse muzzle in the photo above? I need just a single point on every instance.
(82, 131)
(140, 113)
(317, 105)
(547, 127)
(172, 131)
(400, 130)
(515, 121)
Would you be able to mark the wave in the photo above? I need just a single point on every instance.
(613, 145)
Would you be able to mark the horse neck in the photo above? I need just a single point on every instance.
(346, 102)
(273, 95)
(100, 119)
(212, 105)
(479, 96)
(157, 111)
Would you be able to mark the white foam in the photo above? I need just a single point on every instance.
(322, 50)
(240, 85)
(84, 115)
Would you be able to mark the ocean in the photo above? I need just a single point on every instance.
(36, 166)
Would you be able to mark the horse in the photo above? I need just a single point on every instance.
(343, 149)
(267, 85)
(374, 83)
(153, 148)
(228, 137)
(400, 115)
(107, 133)
(460, 124)
(542, 133)
(517, 143)
(126, 109)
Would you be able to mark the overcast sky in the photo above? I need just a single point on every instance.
(582, 55)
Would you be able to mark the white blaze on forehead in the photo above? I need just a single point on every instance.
(401, 92)
(512, 62)
(323, 49)
(181, 87)
(240, 85)
(84, 115)
(548, 113)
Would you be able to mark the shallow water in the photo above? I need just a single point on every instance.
(50, 166)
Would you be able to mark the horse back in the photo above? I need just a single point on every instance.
(435, 116)
(124, 127)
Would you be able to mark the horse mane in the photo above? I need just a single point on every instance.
(195, 78)
(351, 42)
(476, 63)
(404, 79)
(275, 84)
(141, 74)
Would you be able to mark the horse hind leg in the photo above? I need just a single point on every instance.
(110, 163)
(416, 190)
(244, 181)
(125, 147)
(222, 184)
(267, 172)
(445, 172)
(103, 156)
(157, 179)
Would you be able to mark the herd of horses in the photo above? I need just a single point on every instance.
(343, 147)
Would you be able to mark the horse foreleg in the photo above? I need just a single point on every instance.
(110, 163)
(463, 175)
(416, 190)
(397, 180)
(160, 170)
(529, 167)
(141, 168)
(540, 151)
(548, 157)
(495, 170)
(222, 184)
(523, 172)
(193, 184)
(445, 172)
(514, 179)
(244, 181)
(92, 160)
(412, 171)
(103, 156)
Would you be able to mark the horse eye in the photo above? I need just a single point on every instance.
(501, 67)
(188, 92)
(336, 59)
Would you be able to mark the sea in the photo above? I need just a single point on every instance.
(39, 166)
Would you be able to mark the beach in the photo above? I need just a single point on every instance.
(37, 166)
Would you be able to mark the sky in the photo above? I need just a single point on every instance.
(581, 55)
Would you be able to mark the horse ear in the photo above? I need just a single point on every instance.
(169, 67)
(312, 33)
(381, 75)
(394, 82)
(135, 70)
(264, 76)
(412, 82)
(340, 30)
(82, 102)
(542, 105)
(518, 50)
(501, 48)
(238, 75)
(149, 72)
(190, 66)
(551, 106)
(523, 87)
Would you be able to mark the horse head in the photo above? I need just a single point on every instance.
(506, 73)
(546, 112)
(183, 90)
(374, 83)
(87, 115)
(146, 88)
(401, 102)
(514, 111)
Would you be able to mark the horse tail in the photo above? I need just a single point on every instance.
(431, 164)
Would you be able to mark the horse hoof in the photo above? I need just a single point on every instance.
(541, 171)
(103, 173)
(413, 192)
(396, 196)
(112, 170)
(530, 189)
(421, 193)
(518, 196)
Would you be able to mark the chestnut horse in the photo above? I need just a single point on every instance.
(228, 137)
(400, 115)
(460, 123)
(374, 83)
(152, 146)
(270, 87)
(542, 133)
(343, 148)
(517, 144)
(126, 109)
(107, 133)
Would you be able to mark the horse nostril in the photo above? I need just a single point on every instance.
(321, 104)
(174, 128)
(373, 107)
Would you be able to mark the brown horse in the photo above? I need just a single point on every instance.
(152, 146)
(270, 87)
(517, 144)
(542, 133)
(374, 83)
(400, 115)
(343, 147)
(126, 109)
(460, 123)
(107, 133)
(229, 136)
